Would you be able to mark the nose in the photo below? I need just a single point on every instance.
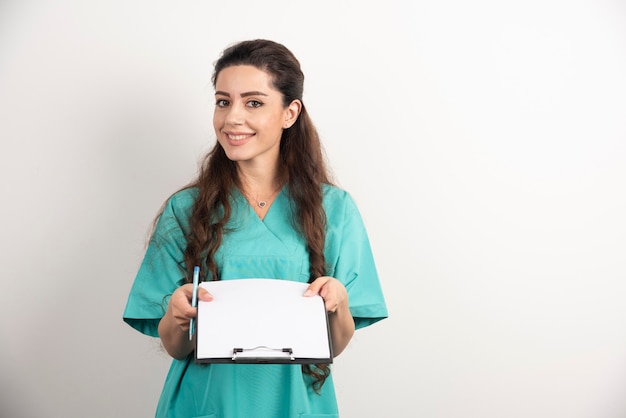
(234, 115)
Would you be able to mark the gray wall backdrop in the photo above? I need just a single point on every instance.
(484, 141)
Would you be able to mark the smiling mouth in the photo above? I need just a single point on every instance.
(238, 137)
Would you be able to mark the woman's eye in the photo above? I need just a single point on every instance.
(221, 103)
(255, 103)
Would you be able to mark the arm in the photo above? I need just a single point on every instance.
(174, 326)
(336, 302)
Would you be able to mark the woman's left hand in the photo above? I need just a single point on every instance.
(331, 290)
(335, 298)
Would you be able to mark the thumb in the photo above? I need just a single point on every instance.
(204, 295)
(315, 287)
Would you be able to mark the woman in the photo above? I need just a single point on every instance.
(262, 206)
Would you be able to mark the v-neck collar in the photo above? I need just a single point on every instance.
(280, 200)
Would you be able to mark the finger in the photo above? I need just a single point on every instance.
(187, 290)
(315, 287)
(184, 313)
(204, 295)
(331, 306)
(180, 303)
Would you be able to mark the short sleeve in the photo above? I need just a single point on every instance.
(162, 269)
(349, 253)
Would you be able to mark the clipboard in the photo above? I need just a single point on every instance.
(262, 321)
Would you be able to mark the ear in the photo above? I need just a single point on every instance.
(291, 113)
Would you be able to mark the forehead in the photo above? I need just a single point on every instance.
(241, 78)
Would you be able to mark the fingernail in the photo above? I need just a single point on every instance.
(309, 292)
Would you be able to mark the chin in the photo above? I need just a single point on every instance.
(237, 156)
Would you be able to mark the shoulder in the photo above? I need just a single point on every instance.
(184, 198)
(181, 202)
(337, 201)
(332, 193)
(177, 209)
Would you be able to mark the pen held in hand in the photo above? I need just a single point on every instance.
(194, 297)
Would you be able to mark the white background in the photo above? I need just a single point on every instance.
(484, 142)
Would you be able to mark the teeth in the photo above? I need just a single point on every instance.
(238, 137)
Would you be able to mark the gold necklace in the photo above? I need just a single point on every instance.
(262, 203)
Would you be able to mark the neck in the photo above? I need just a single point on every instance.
(260, 190)
(258, 183)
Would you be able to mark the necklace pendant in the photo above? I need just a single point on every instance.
(262, 203)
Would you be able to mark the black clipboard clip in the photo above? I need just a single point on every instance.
(262, 352)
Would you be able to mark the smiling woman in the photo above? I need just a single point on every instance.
(249, 120)
(250, 116)
(262, 207)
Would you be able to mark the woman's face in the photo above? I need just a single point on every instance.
(249, 115)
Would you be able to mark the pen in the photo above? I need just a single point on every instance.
(194, 297)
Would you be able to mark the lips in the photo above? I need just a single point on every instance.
(238, 136)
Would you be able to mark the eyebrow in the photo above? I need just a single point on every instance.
(246, 94)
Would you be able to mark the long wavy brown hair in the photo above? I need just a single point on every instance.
(302, 168)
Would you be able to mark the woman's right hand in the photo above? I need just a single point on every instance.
(174, 326)
(180, 304)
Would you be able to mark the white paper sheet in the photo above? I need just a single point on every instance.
(263, 317)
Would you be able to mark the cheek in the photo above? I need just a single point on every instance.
(274, 124)
(217, 121)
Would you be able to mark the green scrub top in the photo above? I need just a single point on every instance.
(253, 248)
